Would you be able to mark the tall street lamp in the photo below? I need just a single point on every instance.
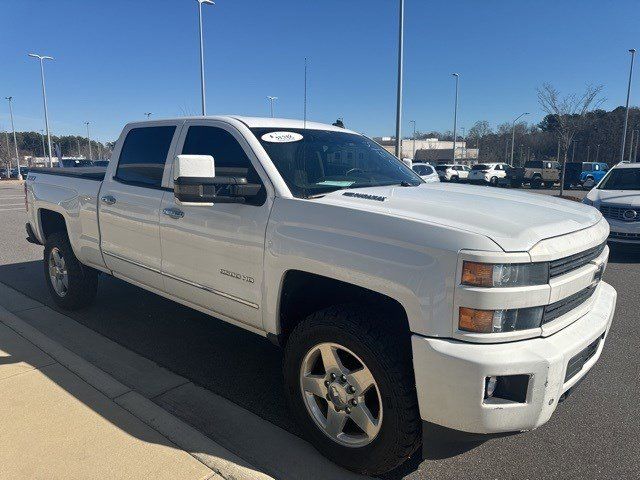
(399, 91)
(42, 58)
(633, 132)
(44, 152)
(455, 116)
(6, 136)
(513, 133)
(413, 156)
(271, 102)
(202, 87)
(597, 152)
(15, 142)
(632, 51)
(88, 139)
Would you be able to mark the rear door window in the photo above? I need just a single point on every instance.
(144, 154)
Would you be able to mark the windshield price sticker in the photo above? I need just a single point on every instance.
(282, 137)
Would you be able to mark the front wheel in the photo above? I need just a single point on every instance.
(71, 284)
(493, 181)
(350, 385)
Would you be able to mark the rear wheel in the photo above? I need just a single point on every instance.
(536, 182)
(350, 384)
(493, 181)
(455, 178)
(71, 284)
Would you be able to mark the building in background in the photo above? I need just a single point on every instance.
(432, 150)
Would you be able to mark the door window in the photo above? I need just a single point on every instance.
(229, 157)
(144, 154)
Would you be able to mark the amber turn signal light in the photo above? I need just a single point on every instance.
(477, 274)
(478, 321)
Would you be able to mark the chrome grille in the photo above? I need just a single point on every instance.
(624, 213)
(572, 262)
(559, 308)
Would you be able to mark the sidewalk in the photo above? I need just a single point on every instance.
(62, 418)
(233, 442)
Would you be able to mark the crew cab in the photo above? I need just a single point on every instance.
(395, 301)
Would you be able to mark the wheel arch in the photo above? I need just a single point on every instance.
(302, 293)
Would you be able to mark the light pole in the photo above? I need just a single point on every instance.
(413, 156)
(202, 87)
(632, 51)
(513, 133)
(88, 139)
(455, 116)
(633, 132)
(271, 102)
(597, 152)
(148, 114)
(399, 92)
(6, 136)
(588, 149)
(464, 143)
(44, 152)
(42, 58)
(573, 152)
(78, 140)
(635, 152)
(15, 142)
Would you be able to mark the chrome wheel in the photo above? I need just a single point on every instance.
(341, 395)
(58, 272)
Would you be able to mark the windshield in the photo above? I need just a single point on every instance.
(316, 162)
(621, 179)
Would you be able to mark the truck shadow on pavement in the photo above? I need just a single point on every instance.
(228, 361)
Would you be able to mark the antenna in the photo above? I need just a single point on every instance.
(305, 94)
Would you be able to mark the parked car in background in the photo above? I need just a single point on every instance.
(541, 172)
(452, 173)
(617, 197)
(23, 172)
(426, 172)
(592, 173)
(75, 163)
(490, 173)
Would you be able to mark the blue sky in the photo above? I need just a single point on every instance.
(117, 59)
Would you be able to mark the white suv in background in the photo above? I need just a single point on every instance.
(426, 172)
(488, 173)
(453, 173)
(617, 196)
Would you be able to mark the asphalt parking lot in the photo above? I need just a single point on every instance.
(594, 434)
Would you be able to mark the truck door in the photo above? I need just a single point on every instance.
(129, 204)
(212, 255)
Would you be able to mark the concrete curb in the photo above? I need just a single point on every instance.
(208, 452)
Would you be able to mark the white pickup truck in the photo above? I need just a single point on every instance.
(396, 301)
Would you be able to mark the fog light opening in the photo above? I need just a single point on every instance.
(490, 385)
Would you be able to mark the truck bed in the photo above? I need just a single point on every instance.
(89, 173)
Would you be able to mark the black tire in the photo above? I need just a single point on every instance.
(455, 179)
(536, 182)
(548, 184)
(386, 351)
(82, 280)
(493, 181)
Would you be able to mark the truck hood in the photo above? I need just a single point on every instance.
(515, 220)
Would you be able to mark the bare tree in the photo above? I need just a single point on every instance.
(569, 112)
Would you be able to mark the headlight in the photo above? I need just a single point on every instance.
(504, 274)
(492, 321)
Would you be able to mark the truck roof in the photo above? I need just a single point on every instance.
(256, 122)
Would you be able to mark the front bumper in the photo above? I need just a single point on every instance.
(450, 375)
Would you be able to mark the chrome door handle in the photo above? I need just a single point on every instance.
(108, 200)
(174, 213)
